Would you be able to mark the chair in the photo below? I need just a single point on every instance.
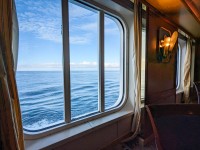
(197, 88)
(175, 126)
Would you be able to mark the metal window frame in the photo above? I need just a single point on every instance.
(66, 61)
(101, 96)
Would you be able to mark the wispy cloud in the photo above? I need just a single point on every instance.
(84, 26)
(40, 67)
(41, 18)
(59, 67)
(77, 12)
(83, 39)
(84, 64)
(88, 64)
(112, 65)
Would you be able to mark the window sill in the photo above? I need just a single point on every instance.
(70, 134)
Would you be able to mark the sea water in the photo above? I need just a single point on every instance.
(41, 95)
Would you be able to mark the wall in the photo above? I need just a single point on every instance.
(98, 138)
(161, 77)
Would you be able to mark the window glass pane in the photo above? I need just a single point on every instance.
(143, 52)
(112, 49)
(143, 62)
(39, 70)
(83, 30)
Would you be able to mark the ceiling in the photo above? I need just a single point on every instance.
(184, 13)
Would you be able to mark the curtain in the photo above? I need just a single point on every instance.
(11, 131)
(136, 61)
(187, 68)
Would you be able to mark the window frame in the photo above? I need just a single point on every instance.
(68, 122)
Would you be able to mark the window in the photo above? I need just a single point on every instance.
(143, 53)
(70, 64)
(178, 66)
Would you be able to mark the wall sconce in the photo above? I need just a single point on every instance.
(166, 43)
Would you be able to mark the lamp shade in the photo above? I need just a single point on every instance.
(173, 40)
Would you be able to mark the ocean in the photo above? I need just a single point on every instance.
(41, 95)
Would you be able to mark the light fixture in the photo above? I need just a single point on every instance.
(166, 44)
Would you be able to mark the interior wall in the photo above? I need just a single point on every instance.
(98, 138)
(161, 77)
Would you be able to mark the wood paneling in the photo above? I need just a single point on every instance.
(160, 84)
(160, 77)
(165, 97)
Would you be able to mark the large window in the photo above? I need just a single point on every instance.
(70, 63)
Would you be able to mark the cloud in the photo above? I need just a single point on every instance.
(88, 64)
(77, 12)
(84, 65)
(89, 26)
(81, 39)
(41, 18)
(112, 65)
(40, 67)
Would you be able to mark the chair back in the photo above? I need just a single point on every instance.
(197, 88)
(175, 126)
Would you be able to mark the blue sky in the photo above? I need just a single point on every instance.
(40, 39)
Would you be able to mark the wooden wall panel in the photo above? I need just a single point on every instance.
(161, 77)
